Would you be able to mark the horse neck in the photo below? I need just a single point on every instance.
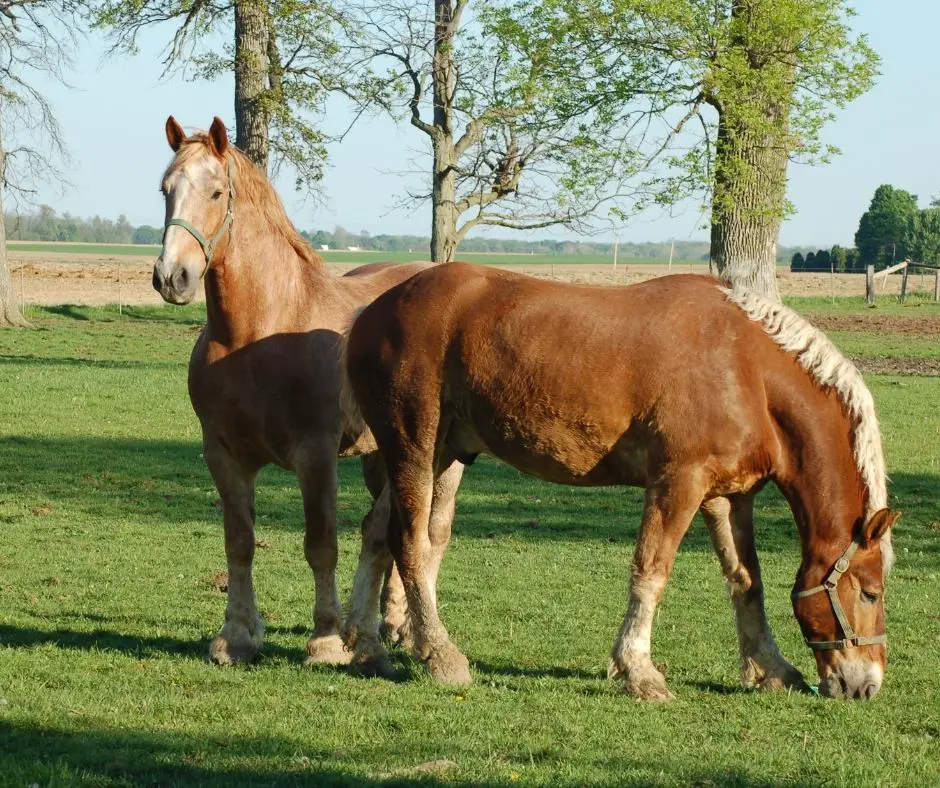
(821, 479)
(259, 284)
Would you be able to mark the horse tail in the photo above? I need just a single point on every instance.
(354, 424)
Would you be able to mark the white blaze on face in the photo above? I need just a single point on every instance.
(190, 191)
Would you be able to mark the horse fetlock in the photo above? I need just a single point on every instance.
(329, 649)
(770, 673)
(640, 678)
(448, 666)
(396, 630)
(238, 641)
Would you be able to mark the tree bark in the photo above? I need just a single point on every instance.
(10, 314)
(252, 116)
(747, 206)
(751, 156)
(444, 183)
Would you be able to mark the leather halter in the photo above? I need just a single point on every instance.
(209, 245)
(829, 585)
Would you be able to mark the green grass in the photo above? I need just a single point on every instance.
(83, 248)
(111, 540)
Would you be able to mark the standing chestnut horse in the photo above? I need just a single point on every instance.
(264, 375)
(696, 393)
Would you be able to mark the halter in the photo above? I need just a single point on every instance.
(829, 585)
(208, 246)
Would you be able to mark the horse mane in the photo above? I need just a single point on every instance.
(252, 185)
(829, 368)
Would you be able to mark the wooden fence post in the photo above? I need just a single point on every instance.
(870, 285)
(907, 268)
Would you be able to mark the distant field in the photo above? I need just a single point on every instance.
(347, 257)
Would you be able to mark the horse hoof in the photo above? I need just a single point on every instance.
(373, 666)
(643, 683)
(791, 680)
(236, 645)
(327, 650)
(449, 666)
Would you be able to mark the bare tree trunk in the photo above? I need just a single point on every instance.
(748, 202)
(252, 116)
(444, 185)
(444, 203)
(10, 314)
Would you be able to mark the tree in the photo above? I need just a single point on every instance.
(810, 261)
(823, 260)
(797, 262)
(530, 115)
(35, 39)
(145, 234)
(285, 54)
(774, 72)
(839, 257)
(922, 238)
(880, 238)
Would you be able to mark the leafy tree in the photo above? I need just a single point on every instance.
(285, 54)
(797, 262)
(810, 261)
(36, 40)
(882, 230)
(823, 260)
(922, 239)
(839, 257)
(145, 234)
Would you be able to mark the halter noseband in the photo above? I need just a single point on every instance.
(209, 245)
(829, 585)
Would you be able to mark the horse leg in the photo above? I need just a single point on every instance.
(443, 508)
(412, 480)
(376, 559)
(242, 634)
(731, 525)
(670, 505)
(361, 629)
(317, 477)
(394, 606)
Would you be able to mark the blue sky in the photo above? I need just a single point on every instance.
(113, 117)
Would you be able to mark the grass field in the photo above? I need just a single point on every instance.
(111, 546)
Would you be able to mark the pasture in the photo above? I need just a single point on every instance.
(112, 584)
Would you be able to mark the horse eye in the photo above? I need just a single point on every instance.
(216, 194)
(869, 596)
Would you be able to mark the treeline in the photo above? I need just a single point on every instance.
(893, 229)
(47, 225)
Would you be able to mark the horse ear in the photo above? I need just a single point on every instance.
(218, 137)
(174, 133)
(878, 525)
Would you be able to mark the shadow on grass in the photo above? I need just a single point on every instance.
(119, 757)
(167, 481)
(71, 361)
(132, 645)
(194, 315)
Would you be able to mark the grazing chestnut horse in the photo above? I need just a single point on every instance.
(264, 376)
(696, 393)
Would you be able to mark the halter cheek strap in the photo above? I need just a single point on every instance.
(830, 587)
(209, 245)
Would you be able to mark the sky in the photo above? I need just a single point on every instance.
(114, 111)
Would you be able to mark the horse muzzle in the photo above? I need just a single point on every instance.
(853, 680)
(175, 285)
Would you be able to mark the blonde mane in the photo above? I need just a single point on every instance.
(828, 367)
(253, 186)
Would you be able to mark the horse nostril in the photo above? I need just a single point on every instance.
(869, 691)
(157, 280)
(181, 280)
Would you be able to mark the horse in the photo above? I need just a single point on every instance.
(264, 376)
(695, 392)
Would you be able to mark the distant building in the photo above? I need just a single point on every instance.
(324, 247)
(352, 248)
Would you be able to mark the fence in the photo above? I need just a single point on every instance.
(905, 267)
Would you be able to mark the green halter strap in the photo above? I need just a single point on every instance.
(830, 587)
(209, 245)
